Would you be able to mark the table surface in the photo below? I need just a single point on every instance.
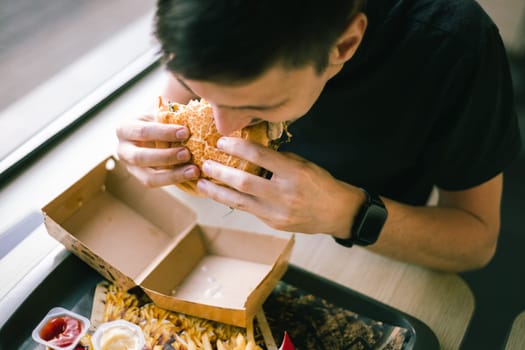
(441, 300)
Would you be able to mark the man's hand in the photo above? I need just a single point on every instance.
(456, 235)
(155, 166)
(299, 197)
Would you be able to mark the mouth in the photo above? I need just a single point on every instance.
(255, 121)
(275, 129)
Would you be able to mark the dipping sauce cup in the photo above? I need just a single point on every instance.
(118, 335)
(61, 329)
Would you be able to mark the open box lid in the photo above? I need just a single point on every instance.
(134, 235)
(117, 225)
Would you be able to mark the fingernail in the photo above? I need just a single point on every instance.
(182, 134)
(190, 173)
(201, 184)
(206, 166)
(221, 143)
(183, 155)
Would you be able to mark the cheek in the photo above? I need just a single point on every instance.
(289, 112)
(280, 115)
(304, 100)
(300, 108)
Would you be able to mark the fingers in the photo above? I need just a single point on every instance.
(237, 179)
(254, 153)
(225, 195)
(144, 129)
(152, 157)
(140, 141)
(151, 164)
(151, 177)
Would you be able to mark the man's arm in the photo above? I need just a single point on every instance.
(459, 233)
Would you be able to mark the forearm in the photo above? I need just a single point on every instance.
(444, 238)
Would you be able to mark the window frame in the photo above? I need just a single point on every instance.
(85, 107)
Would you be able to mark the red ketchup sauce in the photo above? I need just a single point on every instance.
(61, 331)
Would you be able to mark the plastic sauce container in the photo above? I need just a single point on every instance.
(118, 335)
(61, 329)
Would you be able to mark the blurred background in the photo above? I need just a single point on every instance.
(61, 50)
(39, 38)
(499, 288)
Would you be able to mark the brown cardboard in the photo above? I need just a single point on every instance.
(135, 235)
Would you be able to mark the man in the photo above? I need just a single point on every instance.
(389, 99)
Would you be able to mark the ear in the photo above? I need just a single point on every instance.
(348, 42)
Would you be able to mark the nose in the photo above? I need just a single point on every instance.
(227, 121)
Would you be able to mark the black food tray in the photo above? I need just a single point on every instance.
(72, 284)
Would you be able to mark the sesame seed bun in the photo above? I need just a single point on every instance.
(197, 116)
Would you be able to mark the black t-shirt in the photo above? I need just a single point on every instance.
(426, 100)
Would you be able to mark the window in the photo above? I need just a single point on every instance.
(59, 59)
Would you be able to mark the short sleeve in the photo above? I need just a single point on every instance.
(477, 134)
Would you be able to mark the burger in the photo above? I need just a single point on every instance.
(197, 116)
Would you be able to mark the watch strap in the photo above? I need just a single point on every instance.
(367, 224)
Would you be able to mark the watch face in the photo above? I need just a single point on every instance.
(371, 222)
(368, 223)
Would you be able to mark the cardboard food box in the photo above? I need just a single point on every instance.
(134, 235)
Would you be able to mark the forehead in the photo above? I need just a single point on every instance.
(275, 83)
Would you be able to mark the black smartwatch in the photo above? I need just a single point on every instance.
(368, 223)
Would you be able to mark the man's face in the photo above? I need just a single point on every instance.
(278, 95)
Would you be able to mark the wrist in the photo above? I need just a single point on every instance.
(353, 202)
(367, 224)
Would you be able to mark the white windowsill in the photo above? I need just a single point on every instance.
(49, 107)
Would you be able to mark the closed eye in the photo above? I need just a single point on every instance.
(260, 108)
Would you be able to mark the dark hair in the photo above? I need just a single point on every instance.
(238, 40)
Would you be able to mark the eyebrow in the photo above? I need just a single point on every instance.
(257, 107)
(252, 107)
